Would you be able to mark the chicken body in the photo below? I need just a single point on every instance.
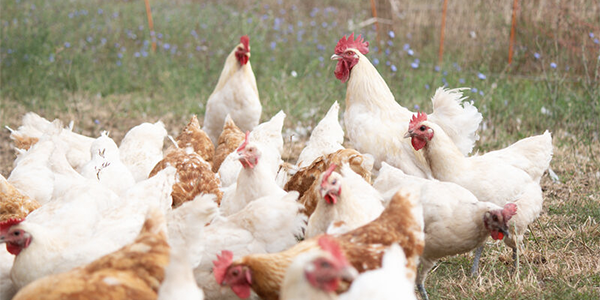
(133, 272)
(344, 198)
(326, 138)
(230, 139)
(236, 94)
(363, 247)
(142, 148)
(491, 178)
(375, 122)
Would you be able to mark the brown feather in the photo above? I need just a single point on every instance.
(194, 137)
(230, 139)
(194, 176)
(14, 204)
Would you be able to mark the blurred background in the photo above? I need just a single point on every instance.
(94, 62)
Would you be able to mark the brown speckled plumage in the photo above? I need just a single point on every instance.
(194, 176)
(363, 247)
(230, 139)
(304, 181)
(193, 136)
(14, 204)
(133, 272)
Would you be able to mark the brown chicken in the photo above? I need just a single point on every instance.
(195, 138)
(194, 176)
(363, 247)
(230, 139)
(133, 272)
(13, 204)
(305, 179)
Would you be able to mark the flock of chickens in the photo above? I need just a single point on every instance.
(219, 215)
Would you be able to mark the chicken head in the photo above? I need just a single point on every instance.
(238, 277)
(346, 55)
(326, 271)
(496, 221)
(248, 153)
(331, 185)
(16, 239)
(242, 52)
(419, 132)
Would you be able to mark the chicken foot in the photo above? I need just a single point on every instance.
(475, 266)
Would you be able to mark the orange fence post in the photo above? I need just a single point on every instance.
(441, 54)
(374, 12)
(151, 24)
(512, 31)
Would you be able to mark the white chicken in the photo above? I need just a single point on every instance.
(455, 221)
(346, 198)
(142, 148)
(266, 225)
(268, 134)
(236, 94)
(106, 166)
(375, 122)
(327, 137)
(86, 222)
(498, 178)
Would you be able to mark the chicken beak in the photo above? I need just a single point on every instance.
(348, 273)
(408, 134)
(505, 232)
(336, 57)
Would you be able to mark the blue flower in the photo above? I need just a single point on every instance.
(481, 93)
(394, 69)
(137, 54)
(445, 73)
(591, 35)
(437, 68)
(473, 90)
(321, 59)
(167, 46)
(159, 35)
(553, 65)
(100, 11)
(96, 121)
(375, 61)
(391, 34)
(89, 39)
(67, 44)
(51, 58)
(71, 15)
(461, 80)
(414, 65)
(596, 41)
(324, 24)
(416, 107)
(320, 47)
(426, 87)
(103, 41)
(481, 76)
(120, 55)
(194, 33)
(406, 47)
(273, 45)
(115, 15)
(144, 53)
(282, 11)
(387, 51)
(388, 63)
(411, 52)
(249, 20)
(537, 55)
(119, 63)
(300, 23)
(390, 43)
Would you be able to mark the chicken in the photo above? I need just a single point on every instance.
(66, 232)
(491, 178)
(194, 176)
(266, 225)
(305, 180)
(14, 204)
(387, 283)
(375, 122)
(326, 138)
(255, 179)
(230, 139)
(347, 198)
(106, 166)
(194, 139)
(317, 274)
(236, 94)
(34, 127)
(455, 221)
(133, 272)
(142, 148)
(363, 247)
(268, 134)
(179, 282)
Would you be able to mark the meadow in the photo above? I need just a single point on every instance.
(93, 62)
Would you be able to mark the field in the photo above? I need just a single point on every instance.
(93, 62)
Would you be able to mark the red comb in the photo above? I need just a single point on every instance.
(243, 145)
(5, 225)
(416, 119)
(328, 173)
(221, 264)
(350, 42)
(510, 209)
(327, 243)
(245, 40)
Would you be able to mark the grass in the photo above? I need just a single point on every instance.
(92, 62)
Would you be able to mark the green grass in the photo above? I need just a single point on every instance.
(105, 86)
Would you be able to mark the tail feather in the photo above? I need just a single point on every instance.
(460, 122)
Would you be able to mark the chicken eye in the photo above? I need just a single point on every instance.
(422, 128)
(495, 218)
(334, 181)
(17, 233)
(325, 264)
(235, 272)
